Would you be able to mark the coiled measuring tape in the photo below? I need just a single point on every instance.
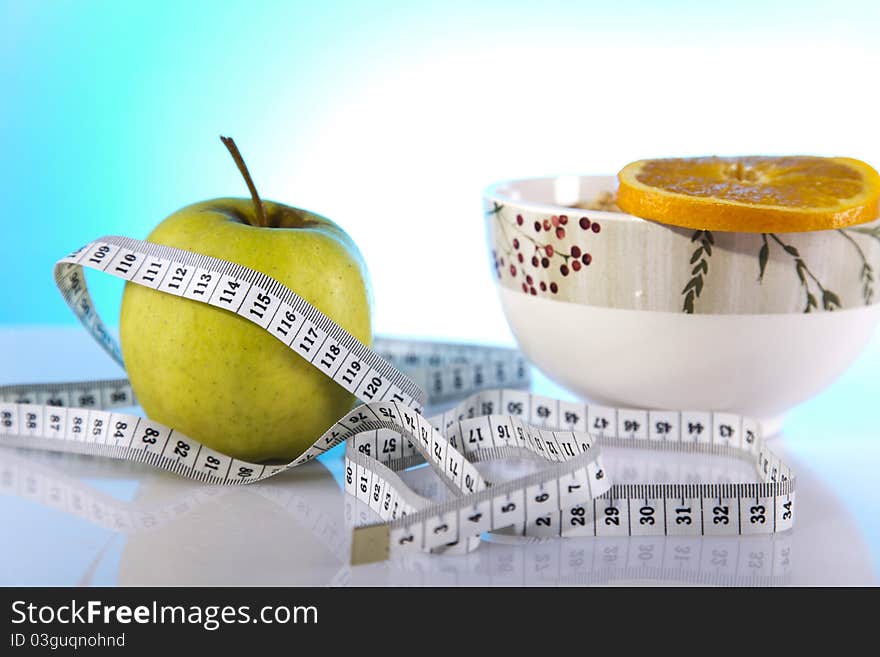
(570, 494)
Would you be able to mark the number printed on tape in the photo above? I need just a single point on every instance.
(569, 494)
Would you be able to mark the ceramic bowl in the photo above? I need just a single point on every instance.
(629, 312)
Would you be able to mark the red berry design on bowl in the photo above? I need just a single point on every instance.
(532, 274)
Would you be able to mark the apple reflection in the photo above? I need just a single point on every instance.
(283, 531)
(166, 530)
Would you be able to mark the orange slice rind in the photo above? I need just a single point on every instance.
(753, 194)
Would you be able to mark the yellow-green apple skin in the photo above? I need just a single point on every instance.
(221, 379)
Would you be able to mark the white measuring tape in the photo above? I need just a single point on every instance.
(570, 495)
(759, 560)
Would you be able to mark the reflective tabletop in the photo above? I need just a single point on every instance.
(77, 520)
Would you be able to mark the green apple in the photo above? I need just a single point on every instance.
(217, 377)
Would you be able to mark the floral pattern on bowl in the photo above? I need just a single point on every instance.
(615, 260)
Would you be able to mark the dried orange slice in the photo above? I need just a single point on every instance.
(755, 194)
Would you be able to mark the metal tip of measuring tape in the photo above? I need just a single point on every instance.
(370, 543)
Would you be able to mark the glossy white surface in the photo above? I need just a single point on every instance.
(59, 512)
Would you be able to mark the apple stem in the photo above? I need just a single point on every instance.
(239, 161)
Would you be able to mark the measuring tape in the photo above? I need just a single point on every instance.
(569, 494)
(760, 560)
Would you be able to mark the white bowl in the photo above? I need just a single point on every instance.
(634, 327)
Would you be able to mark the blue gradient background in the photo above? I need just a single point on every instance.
(391, 117)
